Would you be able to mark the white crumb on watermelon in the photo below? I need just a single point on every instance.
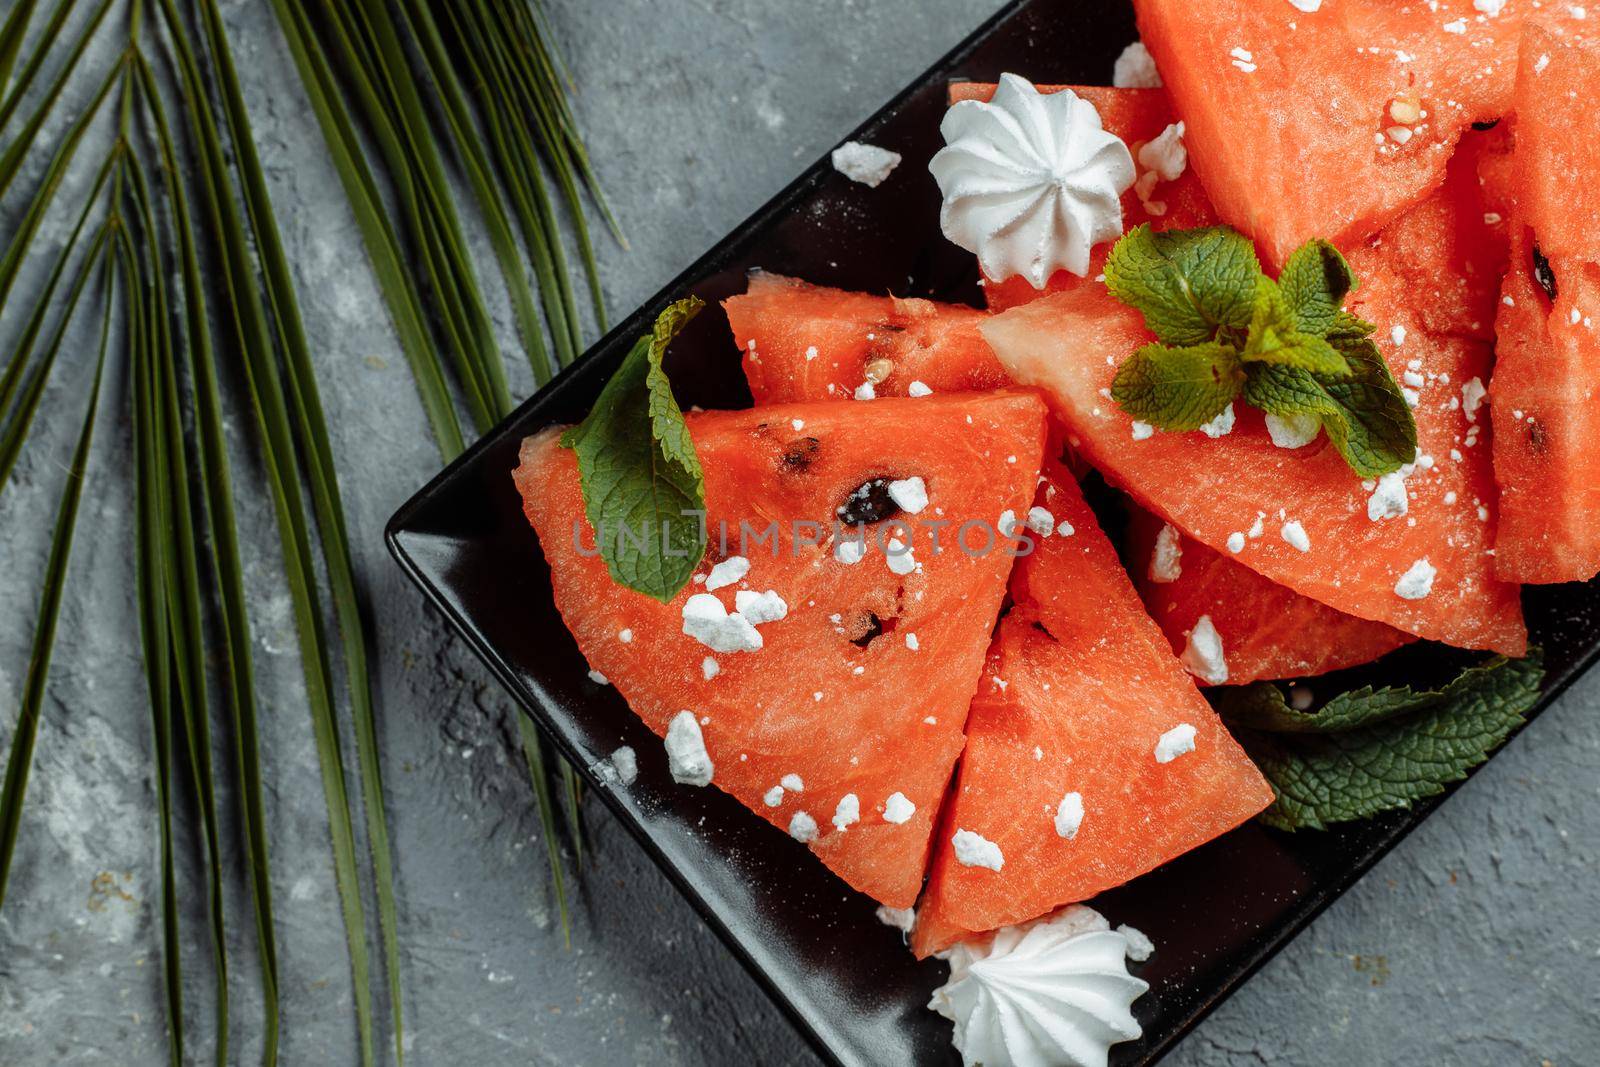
(625, 636)
(1140, 947)
(1065, 529)
(1293, 431)
(847, 812)
(1069, 815)
(1163, 159)
(706, 620)
(1417, 582)
(1388, 499)
(793, 783)
(1142, 431)
(898, 557)
(1175, 742)
(797, 424)
(898, 809)
(802, 827)
(710, 668)
(1166, 560)
(864, 163)
(1489, 7)
(1007, 523)
(811, 353)
(918, 388)
(975, 850)
(1040, 521)
(1236, 542)
(687, 758)
(1542, 62)
(727, 572)
(597, 678)
(1472, 394)
(1579, 12)
(1414, 379)
(1038, 753)
(1456, 26)
(1398, 334)
(773, 797)
(911, 642)
(1135, 68)
(1220, 426)
(1412, 397)
(1203, 656)
(1295, 536)
(849, 550)
(902, 919)
(626, 764)
(864, 391)
(759, 608)
(1257, 527)
(911, 494)
(931, 720)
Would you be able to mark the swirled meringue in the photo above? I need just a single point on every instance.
(1031, 182)
(1051, 993)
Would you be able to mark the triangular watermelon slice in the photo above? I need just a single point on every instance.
(1329, 123)
(1223, 490)
(1546, 388)
(1262, 630)
(844, 725)
(1137, 116)
(810, 342)
(1091, 758)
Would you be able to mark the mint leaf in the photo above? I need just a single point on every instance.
(1363, 414)
(1315, 281)
(1372, 751)
(1178, 388)
(643, 489)
(1187, 283)
(1275, 337)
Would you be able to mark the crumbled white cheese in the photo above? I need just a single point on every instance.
(902, 919)
(773, 797)
(1166, 560)
(1388, 499)
(625, 763)
(1472, 394)
(597, 678)
(1202, 653)
(1220, 426)
(625, 636)
(849, 550)
(1293, 431)
(911, 494)
(918, 388)
(1542, 62)
(686, 751)
(1295, 535)
(1398, 334)
(811, 353)
(864, 391)
(710, 668)
(1175, 742)
(912, 643)
(802, 827)
(1489, 7)
(897, 554)
(1456, 26)
(1040, 521)
(1236, 542)
(1142, 430)
(758, 608)
(706, 620)
(1417, 582)
(727, 572)
(1065, 529)
(975, 850)
(847, 811)
(1140, 947)
(898, 809)
(864, 163)
(1069, 815)
(1135, 69)
(1007, 523)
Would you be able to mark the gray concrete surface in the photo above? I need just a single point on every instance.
(1476, 942)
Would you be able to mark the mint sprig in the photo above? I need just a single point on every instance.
(1373, 750)
(1225, 331)
(643, 489)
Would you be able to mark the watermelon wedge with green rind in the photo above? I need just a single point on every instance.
(1546, 387)
(1078, 689)
(862, 688)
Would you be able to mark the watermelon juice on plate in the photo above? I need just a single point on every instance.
(993, 611)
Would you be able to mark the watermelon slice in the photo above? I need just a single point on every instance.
(1546, 388)
(861, 689)
(1265, 630)
(1137, 116)
(1328, 123)
(1078, 693)
(809, 342)
(1241, 488)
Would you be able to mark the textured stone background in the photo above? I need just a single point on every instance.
(1476, 942)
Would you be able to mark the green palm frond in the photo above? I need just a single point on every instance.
(175, 256)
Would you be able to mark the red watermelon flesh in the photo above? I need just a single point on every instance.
(1078, 689)
(1267, 630)
(1289, 113)
(1546, 388)
(1137, 116)
(1240, 483)
(810, 342)
(850, 713)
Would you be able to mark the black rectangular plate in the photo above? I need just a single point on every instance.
(846, 980)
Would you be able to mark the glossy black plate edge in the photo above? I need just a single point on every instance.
(617, 341)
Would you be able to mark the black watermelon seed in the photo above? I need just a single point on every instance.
(798, 455)
(1536, 436)
(1491, 124)
(1543, 274)
(868, 503)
